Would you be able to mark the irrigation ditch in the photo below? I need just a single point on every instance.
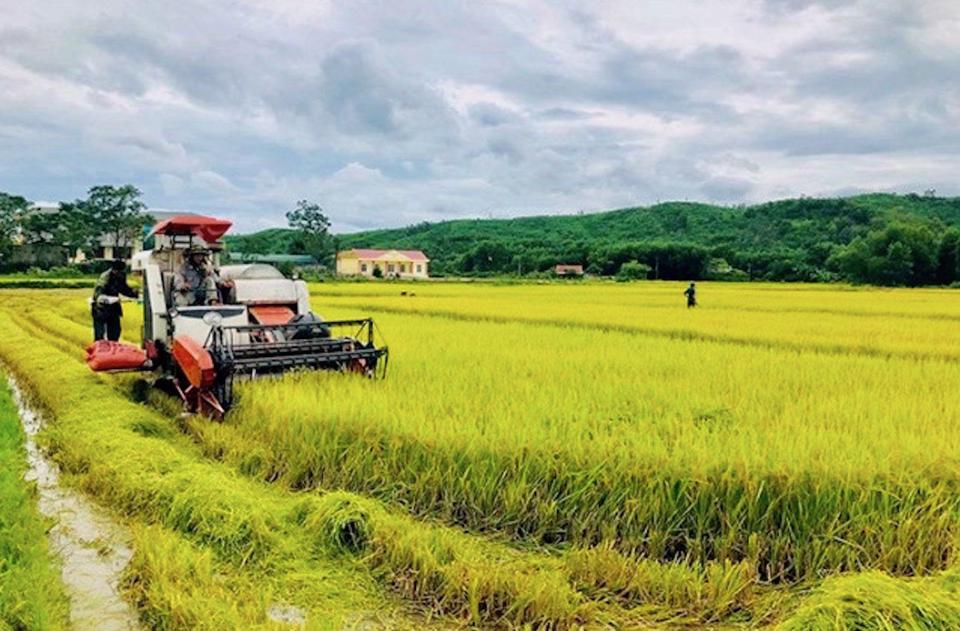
(93, 548)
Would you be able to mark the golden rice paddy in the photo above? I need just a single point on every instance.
(589, 454)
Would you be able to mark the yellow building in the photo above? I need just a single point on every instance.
(391, 263)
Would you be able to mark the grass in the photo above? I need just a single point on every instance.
(178, 585)
(683, 452)
(874, 600)
(156, 478)
(31, 594)
(551, 455)
(912, 323)
(130, 459)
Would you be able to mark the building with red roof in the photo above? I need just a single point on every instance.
(568, 270)
(391, 263)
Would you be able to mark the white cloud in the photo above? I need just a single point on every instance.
(396, 113)
(172, 185)
(211, 181)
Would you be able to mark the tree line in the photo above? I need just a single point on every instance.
(881, 239)
(31, 236)
(898, 250)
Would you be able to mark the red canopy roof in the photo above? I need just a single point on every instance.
(209, 229)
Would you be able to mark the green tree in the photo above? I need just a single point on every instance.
(853, 261)
(49, 234)
(948, 257)
(901, 252)
(633, 270)
(12, 208)
(117, 211)
(919, 239)
(523, 263)
(487, 256)
(77, 228)
(313, 227)
(896, 268)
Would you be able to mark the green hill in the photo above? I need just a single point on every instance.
(880, 238)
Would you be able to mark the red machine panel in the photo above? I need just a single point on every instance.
(195, 362)
(272, 314)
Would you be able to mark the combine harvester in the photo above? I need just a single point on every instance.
(262, 325)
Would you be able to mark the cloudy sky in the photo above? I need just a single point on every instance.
(390, 113)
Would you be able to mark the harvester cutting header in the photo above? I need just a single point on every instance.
(239, 320)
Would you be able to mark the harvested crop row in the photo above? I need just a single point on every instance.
(248, 526)
(31, 594)
(177, 585)
(873, 600)
(130, 459)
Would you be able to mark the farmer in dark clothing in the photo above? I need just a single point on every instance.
(195, 282)
(105, 308)
(691, 294)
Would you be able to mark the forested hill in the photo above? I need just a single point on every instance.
(879, 238)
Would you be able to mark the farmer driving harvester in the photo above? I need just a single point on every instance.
(204, 327)
(195, 282)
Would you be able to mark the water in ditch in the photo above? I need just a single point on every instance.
(92, 547)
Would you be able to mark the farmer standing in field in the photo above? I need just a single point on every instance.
(195, 282)
(105, 307)
(691, 294)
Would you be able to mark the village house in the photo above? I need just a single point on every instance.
(107, 248)
(105, 245)
(568, 270)
(391, 263)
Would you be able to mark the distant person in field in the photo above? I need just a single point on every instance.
(195, 282)
(691, 294)
(105, 307)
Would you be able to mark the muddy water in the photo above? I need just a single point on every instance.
(286, 614)
(92, 547)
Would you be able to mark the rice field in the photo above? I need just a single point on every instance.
(546, 455)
